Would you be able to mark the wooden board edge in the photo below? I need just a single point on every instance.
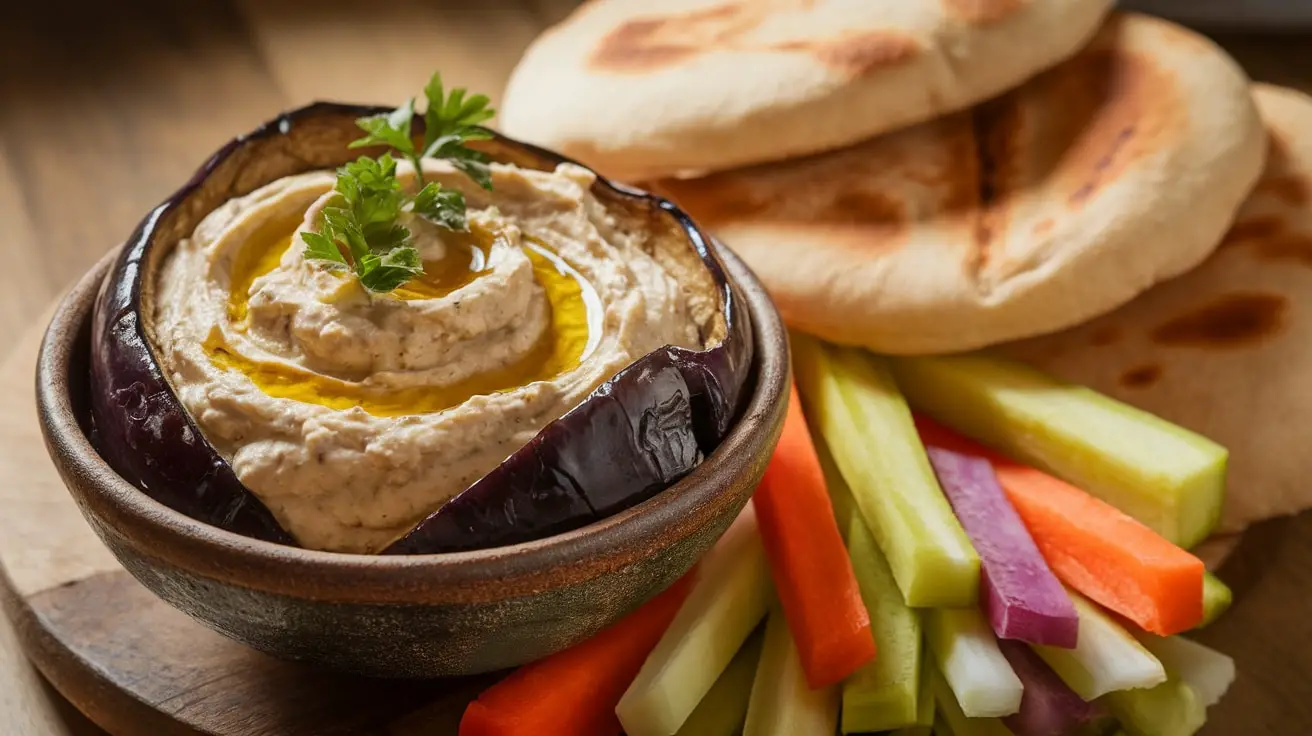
(78, 680)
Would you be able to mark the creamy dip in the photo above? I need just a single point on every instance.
(352, 415)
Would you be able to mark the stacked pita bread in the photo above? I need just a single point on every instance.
(1226, 349)
(926, 176)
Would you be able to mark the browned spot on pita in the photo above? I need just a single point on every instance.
(718, 199)
(1234, 320)
(857, 54)
(854, 207)
(1141, 376)
(647, 44)
(1286, 246)
(997, 132)
(1289, 189)
(982, 11)
(1116, 108)
(1269, 238)
(1254, 228)
(1105, 336)
(1044, 226)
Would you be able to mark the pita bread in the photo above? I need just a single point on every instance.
(640, 89)
(1226, 350)
(1036, 211)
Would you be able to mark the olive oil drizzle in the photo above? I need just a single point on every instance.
(573, 332)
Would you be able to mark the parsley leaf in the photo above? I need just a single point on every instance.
(391, 270)
(446, 207)
(320, 247)
(361, 227)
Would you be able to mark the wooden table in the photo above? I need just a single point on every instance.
(106, 107)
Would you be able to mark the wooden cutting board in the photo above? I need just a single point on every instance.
(137, 667)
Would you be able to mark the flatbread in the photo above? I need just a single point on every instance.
(1226, 350)
(641, 89)
(1055, 203)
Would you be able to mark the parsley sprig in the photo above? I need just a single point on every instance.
(361, 229)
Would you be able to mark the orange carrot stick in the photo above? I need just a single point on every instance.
(1097, 549)
(810, 566)
(575, 691)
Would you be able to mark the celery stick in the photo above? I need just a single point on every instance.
(966, 654)
(722, 711)
(1169, 709)
(869, 430)
(1216, 598)
(729, 598)
(925, 706)
(1165, 476)
(782, 704)
(957, 722)
(1207, 672)
(1106, 658)
(882, 695)
(839, 495)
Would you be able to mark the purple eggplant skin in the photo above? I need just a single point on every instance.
(632, 437)
(143, 431)
(1048, 707)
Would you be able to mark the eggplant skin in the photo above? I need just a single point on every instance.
(634, 436)
(143, 431)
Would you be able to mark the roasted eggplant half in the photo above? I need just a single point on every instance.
(634, 435)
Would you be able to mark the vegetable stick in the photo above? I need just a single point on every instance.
(925, 706)
(575, 691)
(1021, 596)
(1165, 476)
(957, 723)
(1106, 659)
(782, 704)
(868, 427)
(1106, 555)
(883, 694)
(1216, 598)
(966, 654)
(729, 598)
(1207, 672)
(1169, 709)
(1048, 707)
(812, 573)
(722, 711)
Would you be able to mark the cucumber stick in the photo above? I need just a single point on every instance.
(883, 694)
(1169, 709)
(729, 598)
(1167, 477)
(956, 721)
(966, 654)
(868, 428)
(1107, 658)
(723, 710)
(1216, 598)
(925, 706)
(781, 703)
(1207, 672)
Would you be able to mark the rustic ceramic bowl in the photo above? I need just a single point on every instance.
(410, 615)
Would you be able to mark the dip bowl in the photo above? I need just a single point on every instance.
(420, 615)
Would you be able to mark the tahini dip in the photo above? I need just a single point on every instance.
(352, 415)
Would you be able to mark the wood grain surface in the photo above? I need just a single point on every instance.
(106, 107)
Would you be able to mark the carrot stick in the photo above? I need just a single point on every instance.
(575, 691)
(1098, 550)
(810, 566)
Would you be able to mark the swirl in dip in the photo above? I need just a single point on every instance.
(352, 415)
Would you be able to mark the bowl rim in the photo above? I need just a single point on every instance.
(119, 508)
